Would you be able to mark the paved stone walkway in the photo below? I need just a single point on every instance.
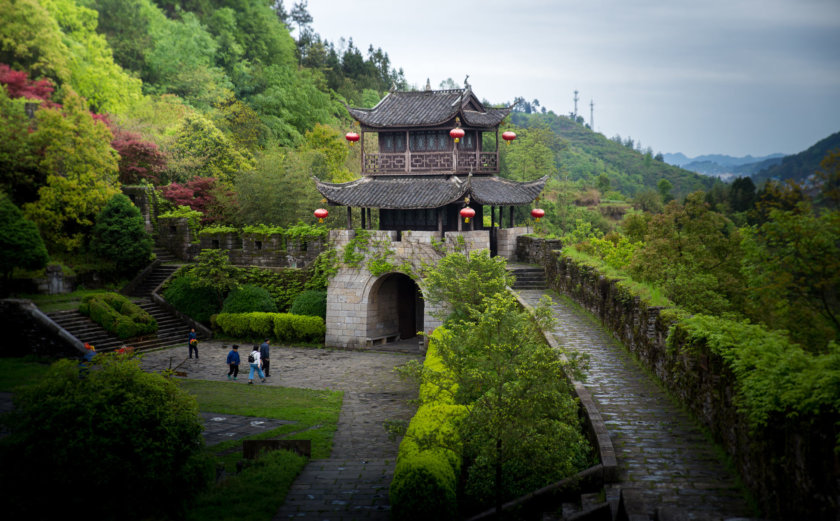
(660, 449)
(353, 483)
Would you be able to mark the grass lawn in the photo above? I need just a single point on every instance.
(63, 301)
(256, 493)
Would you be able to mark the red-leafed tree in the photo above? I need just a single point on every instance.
(139, 159)
(206, 195)
(18, 85)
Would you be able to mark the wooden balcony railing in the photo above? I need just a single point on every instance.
(428, 162)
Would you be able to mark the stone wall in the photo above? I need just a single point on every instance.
(243, 249)
(27, 330)
(358, 301)
(506, 240)
(139, 195)
(790, 465)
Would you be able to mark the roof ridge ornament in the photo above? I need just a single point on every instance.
(428, 85)
(467, 82)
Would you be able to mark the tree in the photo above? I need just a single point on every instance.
(20, 176)
(664, 188)
(120, 235)
(20, 244)
(93, 73)
(460, 283)
(742, 194)
(792, 267)
(117, 427)
(533, 156)
(81, 172)
(521, 430)
(213, 271)
(693, 254)
(202, 150)
(31, 40)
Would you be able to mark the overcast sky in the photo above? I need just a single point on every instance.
(732, 77)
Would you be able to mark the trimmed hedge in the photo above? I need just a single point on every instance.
(285, 327)
(429, 459)
(118, 315)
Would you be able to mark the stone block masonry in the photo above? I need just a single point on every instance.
(789, 465)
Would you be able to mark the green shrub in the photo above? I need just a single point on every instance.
(423, 488)
(312, 303)
(120, 235)
(118, 315)
(284, 327)
(249, 298)
(197, 303)
(103, 445)
(283, 285)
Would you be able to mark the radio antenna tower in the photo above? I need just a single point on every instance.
(576, 100)
(592, 115)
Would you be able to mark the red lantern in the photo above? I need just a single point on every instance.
(467, 213)
(537, 213)
(456, 134)
(508, 136)
(321, 214)
(352, 137)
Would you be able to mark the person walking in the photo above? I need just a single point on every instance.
(265, 351)
(233, 362)
(256, 365)
(193, 343)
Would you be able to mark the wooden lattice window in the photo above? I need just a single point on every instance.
(468, 141)
(392, 142)
(429, 141)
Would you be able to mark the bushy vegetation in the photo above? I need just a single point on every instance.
(310, 302)
(284, 327)
(200, 303)
(118, 315)
(119, 235)
(479, 429)
(115, 428)
(249, 298)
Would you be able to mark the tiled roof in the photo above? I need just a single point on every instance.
(495, 191)
(428, 108)
(415, 192)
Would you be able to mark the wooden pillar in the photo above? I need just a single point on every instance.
(364, 222)
(460, 223)
(510, 224)
(370, 218)
(440, 220)
(349, 218)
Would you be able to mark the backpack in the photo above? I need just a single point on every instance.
(251, 357)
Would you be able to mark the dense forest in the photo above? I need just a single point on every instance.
(229, 107)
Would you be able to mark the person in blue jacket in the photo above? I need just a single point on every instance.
(233, 362)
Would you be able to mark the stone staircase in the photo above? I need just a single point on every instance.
(172, 330)
(153, 280)
(528, 277)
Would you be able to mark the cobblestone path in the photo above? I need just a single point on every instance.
(661, 451)
(353, 483)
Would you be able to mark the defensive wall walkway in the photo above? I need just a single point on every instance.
(661, 450)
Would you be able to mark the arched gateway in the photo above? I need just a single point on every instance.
(415, 181)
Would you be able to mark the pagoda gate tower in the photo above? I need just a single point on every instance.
(417, 180)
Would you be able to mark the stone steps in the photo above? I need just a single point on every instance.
(528, 278)
(171, 329)
(153, 280)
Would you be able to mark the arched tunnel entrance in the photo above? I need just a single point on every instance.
(395, 308)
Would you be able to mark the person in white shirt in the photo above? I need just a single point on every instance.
(256, 365)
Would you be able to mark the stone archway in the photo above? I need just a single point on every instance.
(395, 308)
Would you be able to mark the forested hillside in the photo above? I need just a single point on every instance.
(802, 166)
(587, 154)
(213, 103)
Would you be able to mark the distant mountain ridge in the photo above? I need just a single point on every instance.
(801, 166)
(723, 166)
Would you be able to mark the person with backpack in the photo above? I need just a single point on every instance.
(256, 365)
(193, 342)
(233, 362)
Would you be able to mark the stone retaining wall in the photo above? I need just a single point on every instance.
(243, 249)
(790, 466)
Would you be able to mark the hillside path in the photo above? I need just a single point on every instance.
(661, 450)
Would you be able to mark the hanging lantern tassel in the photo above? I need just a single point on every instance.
(321, 214)
(456, 134)
(352, 137)
(537, 213)
(467, 213)
(508, 136)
